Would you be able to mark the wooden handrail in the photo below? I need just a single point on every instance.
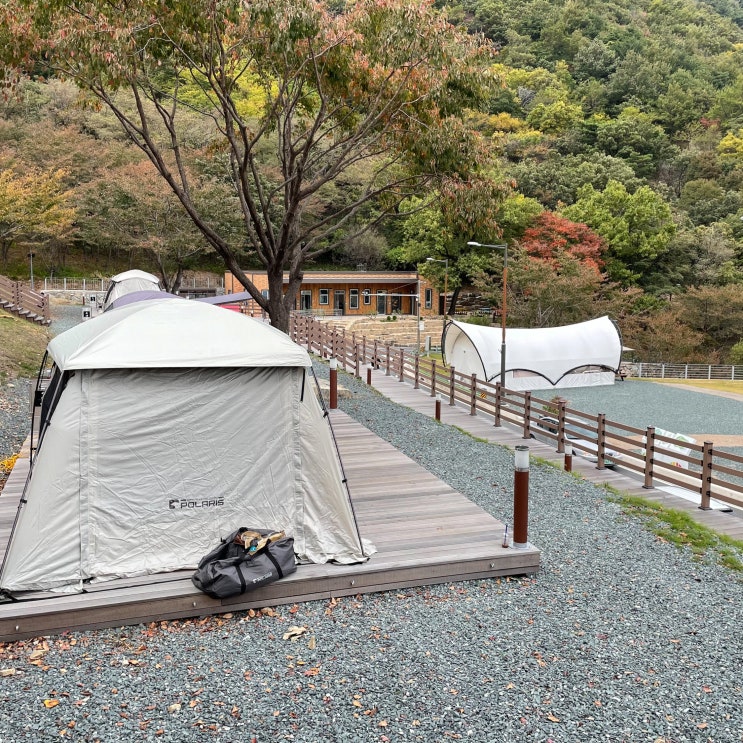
(639, 454)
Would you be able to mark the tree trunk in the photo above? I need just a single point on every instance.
(453, 303)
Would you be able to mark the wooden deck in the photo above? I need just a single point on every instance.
(424, 531)
(622, 479)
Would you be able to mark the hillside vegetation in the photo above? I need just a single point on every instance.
(614, 129)
(22, 346)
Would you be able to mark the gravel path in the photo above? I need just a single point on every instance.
(620, 637)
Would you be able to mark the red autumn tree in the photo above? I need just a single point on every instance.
(551, 235)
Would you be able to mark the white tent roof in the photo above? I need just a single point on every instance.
(551, 353)
(175, 334)
(135, 273)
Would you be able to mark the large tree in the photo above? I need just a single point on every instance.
(295, 94)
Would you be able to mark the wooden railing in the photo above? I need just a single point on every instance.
(705, 470)
(23, 299)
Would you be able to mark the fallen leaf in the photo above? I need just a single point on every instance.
(293, 632)
(36, 654)
(707, 689)
(702, 725)
(382, 724)
(312, 671)
(174, 707)
(357, 703)
(226, 616)
(552, 718)
(7, 672)
(50, 703)
(311, 643)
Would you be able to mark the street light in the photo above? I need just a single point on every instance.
(31, 259)
(445, 261)
(504, 248)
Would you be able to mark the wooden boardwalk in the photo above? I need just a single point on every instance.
(728, 523)
(424, 531)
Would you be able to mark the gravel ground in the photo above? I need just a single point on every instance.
(620, 637)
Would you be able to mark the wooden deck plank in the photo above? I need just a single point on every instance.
(425, 533)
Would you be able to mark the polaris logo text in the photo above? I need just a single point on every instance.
(177, 504)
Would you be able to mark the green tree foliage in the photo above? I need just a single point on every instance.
(716, 313)
(543, 292)
(35, 211)
(636, 226)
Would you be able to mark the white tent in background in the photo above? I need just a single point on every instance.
(581, 355)
(130, 281)
(166, 425)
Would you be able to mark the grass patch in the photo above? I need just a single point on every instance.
(678, 528)
(22, 346)
(470, 435)
(716, 385)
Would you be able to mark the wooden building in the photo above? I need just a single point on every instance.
(356, 292)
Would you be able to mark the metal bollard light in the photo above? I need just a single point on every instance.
(568, 457)
(521, 497)
(437, 408)
(333, 384)
(369, 375)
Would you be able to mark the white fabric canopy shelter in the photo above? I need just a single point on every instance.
(172, 424)
(130, 281)
(581, 355)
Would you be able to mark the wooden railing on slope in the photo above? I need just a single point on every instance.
(704, 470)
(18, 299)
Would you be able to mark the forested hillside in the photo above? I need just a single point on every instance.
(613, 132)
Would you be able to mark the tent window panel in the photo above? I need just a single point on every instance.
(353, 299)
(324, 296)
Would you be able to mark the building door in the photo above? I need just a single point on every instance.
(305, 300)
(381, 303)
(339, 301)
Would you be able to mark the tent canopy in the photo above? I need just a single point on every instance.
(130, 281)
(176, 334)
(172, 424)
(582, 354)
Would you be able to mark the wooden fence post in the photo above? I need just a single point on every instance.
(649, 450)
(416, 380)
(402, 365)
(601, 442)
(452, 387)
(387, 349)
(433, 377)
(706, 477)
(498, 401)
(527, 414)
(357, 361)
(473, 394)
(561, 404)
(375, 360)
(363, 349)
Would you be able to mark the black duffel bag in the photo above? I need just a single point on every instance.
(246, 560)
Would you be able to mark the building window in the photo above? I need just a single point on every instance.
(353, 300)
(324, 296)
(429, 298)
(367, 296)
(264, 293)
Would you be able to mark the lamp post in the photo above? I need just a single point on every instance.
(504, 248)
(31, 259)
(418, 313)
(445, 261)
